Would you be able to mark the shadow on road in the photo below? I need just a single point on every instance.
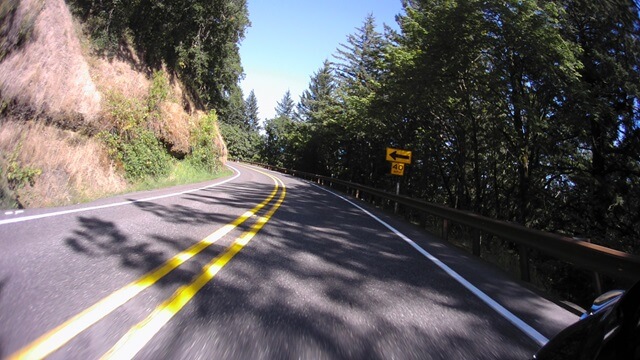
(102, 238)
(320, 281)
(323, 281)
(142, 247)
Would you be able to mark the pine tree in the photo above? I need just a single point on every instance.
(602, 110)
(358, 67)
(233, 113)
(252, 119)
(358, 73)
(286, 106)
(319, 98)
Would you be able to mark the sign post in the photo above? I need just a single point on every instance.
(398, 158)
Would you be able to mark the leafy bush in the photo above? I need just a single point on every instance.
(126, 114)
(204, 152)
(159, 91)
(242, 144)
(141, 154)
(18, 175)
(144, 156)
(134, 146)
(13, 177)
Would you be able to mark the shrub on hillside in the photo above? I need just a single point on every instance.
(130, 142)
(204, 151)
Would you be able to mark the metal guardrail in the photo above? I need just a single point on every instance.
(582, 254)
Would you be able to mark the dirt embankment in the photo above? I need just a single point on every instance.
(53, 101)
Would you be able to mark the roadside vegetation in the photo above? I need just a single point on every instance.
(102, 103)
(520, 110)
(523, 111)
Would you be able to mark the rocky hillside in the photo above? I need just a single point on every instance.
(76, 125)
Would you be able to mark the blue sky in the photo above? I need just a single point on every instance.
(289, 40)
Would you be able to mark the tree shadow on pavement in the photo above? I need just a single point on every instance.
(323, 281)
(98, 238)
(139, 247)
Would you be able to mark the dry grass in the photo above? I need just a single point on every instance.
(121, 76)
(74, 167)
(55, 76)
(49, 74)
(175, 127)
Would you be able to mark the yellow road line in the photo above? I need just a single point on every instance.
(139, 335)
(56, 338)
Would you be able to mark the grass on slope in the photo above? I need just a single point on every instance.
(181, 173)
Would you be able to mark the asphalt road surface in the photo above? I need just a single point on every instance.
(259, 265)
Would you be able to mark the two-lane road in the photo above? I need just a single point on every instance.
(259, 265)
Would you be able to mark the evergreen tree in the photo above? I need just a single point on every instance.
(358, 65)
(282, 142)
(286, 106)
(319, 99)
(252, 119)
(602, 109)
(319, 109)
(359, 72)
(234, 111)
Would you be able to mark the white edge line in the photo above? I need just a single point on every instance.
(508, 315)
(58, 213)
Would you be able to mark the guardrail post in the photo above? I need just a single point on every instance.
(422, 219)
(597, 282)
(475, 244)
(395, 208)
(525, 275)
(445, 229)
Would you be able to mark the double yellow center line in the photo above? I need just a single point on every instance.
(140, 334)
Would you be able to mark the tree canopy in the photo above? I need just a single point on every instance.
(196, 39)
(525, 111)
(286, 106)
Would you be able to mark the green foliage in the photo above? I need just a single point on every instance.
(196, 39)
(18, 175)
(242, 144)
(235, 112)
(140, 153)
(7, 196)
(144, 156)
(137, 149)
(525, 111)
(204, 152)
(283, 141)
(252, 120)
(127, 114)
(14, 176)
(286, 107)
(182, 172)
(159, 91)
(108, 21)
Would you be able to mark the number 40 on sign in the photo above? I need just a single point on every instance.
(397, 169)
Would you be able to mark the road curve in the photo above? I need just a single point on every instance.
(293, 271)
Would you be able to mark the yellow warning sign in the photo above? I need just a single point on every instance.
(397, 169)
(398, 155)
